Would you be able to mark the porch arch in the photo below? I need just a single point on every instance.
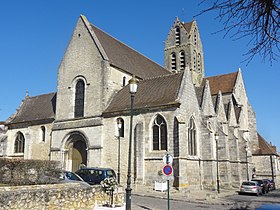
(76, 152)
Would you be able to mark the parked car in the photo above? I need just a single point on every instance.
(69, 176)
(264, 184)
(94, 176)
(250, 187)
(271, 184)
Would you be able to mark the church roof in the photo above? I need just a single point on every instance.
(265, 148)
(41, 107)
(225, 83)
(127, 59)
(151, 93)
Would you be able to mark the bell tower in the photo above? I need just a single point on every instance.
(183, 48)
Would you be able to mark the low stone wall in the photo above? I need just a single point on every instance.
(55, 196)
(66, 196)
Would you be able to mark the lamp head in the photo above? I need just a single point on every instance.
(119, 123)
(216, 135)
(133, 85)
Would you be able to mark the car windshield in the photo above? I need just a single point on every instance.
(111, 173)
(249, 183)
(72, 176)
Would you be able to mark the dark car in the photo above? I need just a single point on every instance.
(264, 184)
(94, 176)
(271, 184)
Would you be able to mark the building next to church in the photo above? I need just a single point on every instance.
(203, 122)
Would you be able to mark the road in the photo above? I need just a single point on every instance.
(151, 203)
(238, 202)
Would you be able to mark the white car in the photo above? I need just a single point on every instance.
(250, 187)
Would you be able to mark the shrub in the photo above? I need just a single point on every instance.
(27, 172)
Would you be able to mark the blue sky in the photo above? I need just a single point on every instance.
(34, 36)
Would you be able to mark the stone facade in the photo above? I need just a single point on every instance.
(203, 122)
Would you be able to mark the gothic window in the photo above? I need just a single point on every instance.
(173, 62)
(195, 36)
(194, 60)
(79, 98)
(177, 35)
(198, 62)
(192, 144)
(159, 134)
(182, 60)
(43, 133)
(19, 143)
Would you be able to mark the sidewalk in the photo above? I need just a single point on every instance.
(194, 196)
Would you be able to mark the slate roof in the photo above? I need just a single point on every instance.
(200, 91)
(264, 147)
(124, 57)
(41, 107)
(153, 92)
(225, 83)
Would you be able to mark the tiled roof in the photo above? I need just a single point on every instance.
(225, 83)
(41, 107)
(124, 57)
(264, 147)
(154, 92)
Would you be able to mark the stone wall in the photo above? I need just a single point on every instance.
(57, 196)
(65, 196)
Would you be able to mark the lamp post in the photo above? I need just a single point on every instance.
(119, 123)
(132, 90)
(247, 168)
(272, 170)
(217, 160)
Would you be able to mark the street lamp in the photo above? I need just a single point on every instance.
(247, 168)
(217, 160)
(119, 123)
(132, 90)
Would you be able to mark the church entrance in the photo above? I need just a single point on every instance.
(76, 152)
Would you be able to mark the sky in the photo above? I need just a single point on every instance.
(35, 34)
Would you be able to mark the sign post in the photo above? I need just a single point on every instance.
(167, 170)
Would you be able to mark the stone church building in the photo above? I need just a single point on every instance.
(203, 122)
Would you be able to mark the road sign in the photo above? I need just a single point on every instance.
(167, 159)
(167, 170)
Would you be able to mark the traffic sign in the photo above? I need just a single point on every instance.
(167, 170)
(167, 159)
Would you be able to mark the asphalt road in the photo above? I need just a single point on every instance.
(238, 202)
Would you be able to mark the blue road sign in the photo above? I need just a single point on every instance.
(167, 170)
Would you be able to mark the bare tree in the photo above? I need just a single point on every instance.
(258, 20)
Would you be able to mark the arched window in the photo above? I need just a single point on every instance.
(124, 81)
(19, 143)
(79, 98)
(182, 60)
(173, 61)
(192, 144)
(159, 134)
(177, 35)
(43, 133)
